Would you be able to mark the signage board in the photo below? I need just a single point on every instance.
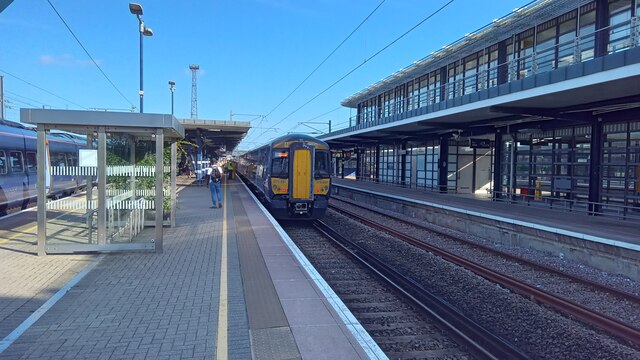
(480, 143)
(88, 157)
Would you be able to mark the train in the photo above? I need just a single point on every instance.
(18, 164)
(291, 175)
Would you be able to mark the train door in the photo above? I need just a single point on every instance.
(301, 172)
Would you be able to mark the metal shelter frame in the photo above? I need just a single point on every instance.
(161, 127)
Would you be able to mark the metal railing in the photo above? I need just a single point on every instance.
(622, 212)
(622, 36)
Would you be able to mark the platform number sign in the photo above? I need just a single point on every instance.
(480, 143)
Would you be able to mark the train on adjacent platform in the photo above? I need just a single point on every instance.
(18, 165)
(291, 175)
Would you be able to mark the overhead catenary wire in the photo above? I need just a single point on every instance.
(366, 60)
(89, 55)
(11, 100)
(327, 57)
(315, 118)
(322, 62)
(27, 98)
(42, 89)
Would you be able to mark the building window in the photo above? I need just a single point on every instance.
(621, 166)
(587, 31)
(493, 66)
(389, 165)
(545, 58)
(525, 53)
(566, 39)
(455, 77)
(435, 87)
(470, 71)
(619, 21)
(411, 101)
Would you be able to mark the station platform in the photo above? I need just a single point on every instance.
(603, 242)
(227, 285)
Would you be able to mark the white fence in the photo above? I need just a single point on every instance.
(124, 170)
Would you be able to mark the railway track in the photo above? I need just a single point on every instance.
(619, 328)
(403, 318)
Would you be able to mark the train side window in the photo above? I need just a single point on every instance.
(73, 159)
(15, 161)
(3, 163)
(32, 162)
(58, 159)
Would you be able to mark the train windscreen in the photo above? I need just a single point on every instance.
(280, 163)
(321, 166)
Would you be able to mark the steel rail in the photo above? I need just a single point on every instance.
(474, 336)
(620, 293)
(618, 328)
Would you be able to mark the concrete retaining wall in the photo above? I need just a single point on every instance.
(605, 257)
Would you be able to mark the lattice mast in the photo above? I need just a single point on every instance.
(194, 90)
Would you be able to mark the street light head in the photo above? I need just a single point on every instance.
(171, 82)
(136, 9)
(147, 32)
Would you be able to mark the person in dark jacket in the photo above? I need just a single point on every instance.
(214, 175)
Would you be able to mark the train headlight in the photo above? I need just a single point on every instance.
(279, 186)
(321, 186)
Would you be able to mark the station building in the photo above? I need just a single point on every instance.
(542, 105)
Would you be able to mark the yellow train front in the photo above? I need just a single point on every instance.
(292, 176)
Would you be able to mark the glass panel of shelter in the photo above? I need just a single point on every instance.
(72, 214)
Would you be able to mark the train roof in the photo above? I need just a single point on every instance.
(30, 131)
(12, 124)
(297, 137)
(283, 141)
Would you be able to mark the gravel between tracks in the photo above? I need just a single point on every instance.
(541, 332)
(400, 330)
(613, 306)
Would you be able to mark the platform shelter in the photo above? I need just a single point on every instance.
(105, 180)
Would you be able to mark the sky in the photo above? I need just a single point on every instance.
(252, 54)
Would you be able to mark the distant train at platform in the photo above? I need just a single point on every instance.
(291, 175)
(18, 165)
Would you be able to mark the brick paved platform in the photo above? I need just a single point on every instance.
(226, 286)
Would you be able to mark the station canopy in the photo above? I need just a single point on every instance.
(218, 136)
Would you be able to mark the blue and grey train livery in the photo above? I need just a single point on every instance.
(292, 176)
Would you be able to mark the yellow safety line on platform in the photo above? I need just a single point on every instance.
(24, 232)
(222, 346)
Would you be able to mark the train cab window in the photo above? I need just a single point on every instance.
(321, 165)
(32, 164)
(15, 161)
(3, 163)
(280, 163)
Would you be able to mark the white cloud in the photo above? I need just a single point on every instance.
(65, 60)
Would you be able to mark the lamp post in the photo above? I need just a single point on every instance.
(172, 88)
(136, 9)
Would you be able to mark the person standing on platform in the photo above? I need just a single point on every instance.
(230, 169)
(214, 174)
